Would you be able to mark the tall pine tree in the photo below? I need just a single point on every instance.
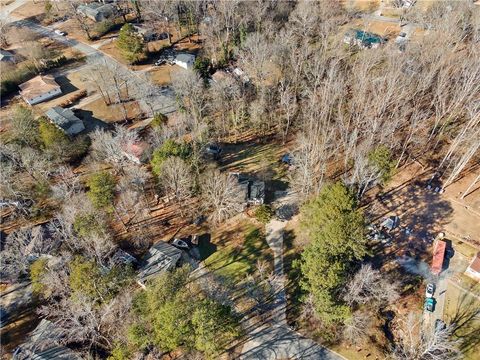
(336, 229)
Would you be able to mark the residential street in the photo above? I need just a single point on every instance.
(163, 102)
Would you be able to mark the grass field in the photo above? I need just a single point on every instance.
(463, 310)
(235, 261)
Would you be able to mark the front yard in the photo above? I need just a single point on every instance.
(242, 246)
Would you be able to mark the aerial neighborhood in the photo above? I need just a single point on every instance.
(239, 179)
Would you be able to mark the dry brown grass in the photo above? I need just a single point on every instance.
(30, 9)
(112, 113)
(382, 28)
(361, 5)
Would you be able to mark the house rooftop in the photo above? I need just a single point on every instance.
(161, 257)
(475, 264)
(184, 57)
(65, 119)
(37, 86)
(42, 345)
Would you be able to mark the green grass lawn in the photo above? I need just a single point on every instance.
(235, 262)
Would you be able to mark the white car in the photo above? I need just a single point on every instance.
(180, 243)
(430, 290)
(59, 32)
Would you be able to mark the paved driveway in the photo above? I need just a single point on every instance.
(281, 342)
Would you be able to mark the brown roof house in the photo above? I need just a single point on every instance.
(473, 269)
(40, 88)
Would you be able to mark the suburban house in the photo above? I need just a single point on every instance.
(66, 120)
(40, 88)
(149, 34)
(161, 257)
(363, 39)
(6, 56)
(473, 269)
(97, 11)
(44, 344)
(251, 191)
(185, 60)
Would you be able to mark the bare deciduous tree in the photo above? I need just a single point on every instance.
(356, 328)
(220, 195)
(21, 248)
(417, 342)
(370, 285)
(176, 178)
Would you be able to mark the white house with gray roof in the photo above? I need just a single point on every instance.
(66, 120)
(185, 61)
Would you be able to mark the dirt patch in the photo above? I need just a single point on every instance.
(162, 75)
(111, 49)
(115, 112)
(31, 9)
(361, 5)
(382, 28)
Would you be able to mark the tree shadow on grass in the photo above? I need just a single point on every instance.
(466, 323)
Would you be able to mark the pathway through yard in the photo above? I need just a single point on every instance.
(273, 339)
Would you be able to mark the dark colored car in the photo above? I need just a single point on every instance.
(429, 304)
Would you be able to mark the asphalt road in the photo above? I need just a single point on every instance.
(163, 101)
(281, 342)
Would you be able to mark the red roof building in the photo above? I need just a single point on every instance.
(438, 256)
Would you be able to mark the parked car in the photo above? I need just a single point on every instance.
(430, 290)
(390, 223)
(180, 244)
(60, 32)
(440, 325)
(429, 304)
(213, 150)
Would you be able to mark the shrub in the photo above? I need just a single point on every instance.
(104, 27)
(202, 67)
(51, 136)
(88, 224)
(159, 120)
(37, 270)
(102, 186)
(264, 213)
(131, 44)
(167, 149)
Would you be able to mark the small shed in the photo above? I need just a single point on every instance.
(66, 120)
(136, 152)
(185, 61)
(161, 257)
